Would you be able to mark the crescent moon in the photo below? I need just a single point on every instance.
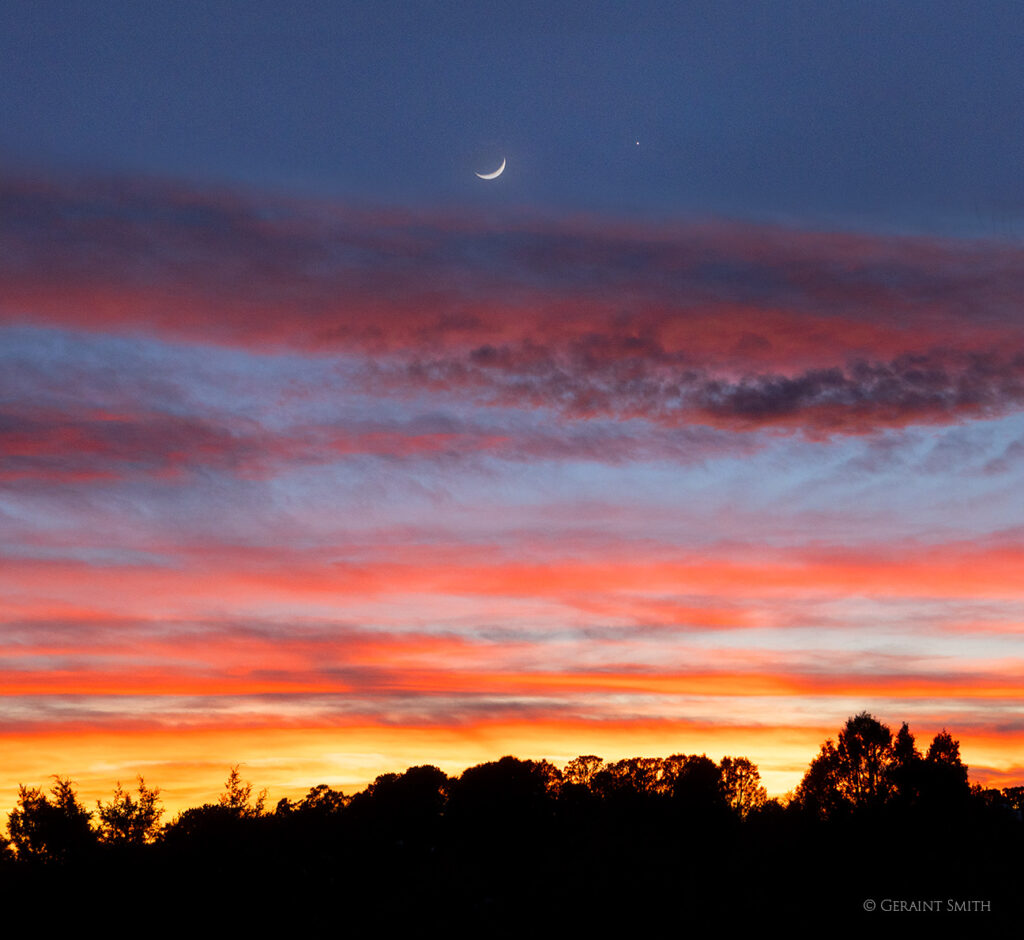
(495, 174)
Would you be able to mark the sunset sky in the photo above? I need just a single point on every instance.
(700, 429)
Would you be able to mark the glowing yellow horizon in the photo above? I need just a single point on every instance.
(190, 768)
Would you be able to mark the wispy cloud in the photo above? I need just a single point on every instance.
(731, 326)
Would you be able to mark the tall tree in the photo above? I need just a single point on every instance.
(904, 747)
(237, 796)
(741, 783)
(865, 752)
(580, 770)
(130, 820)
(52, 828)
(946, 751)
(946, 775)
(698, 784)
(852, 774)
(818, 792)
(905, 769)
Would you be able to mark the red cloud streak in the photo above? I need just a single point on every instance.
(735, 327)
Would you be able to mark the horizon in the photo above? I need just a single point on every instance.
(172, 809)
(174, 803)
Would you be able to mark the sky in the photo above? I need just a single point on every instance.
(699, 429)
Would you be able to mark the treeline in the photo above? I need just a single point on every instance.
(873, 816)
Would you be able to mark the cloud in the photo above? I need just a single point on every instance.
(862, 397)
(277, 466)
(733, 327)
(82, 443)
(918, 389)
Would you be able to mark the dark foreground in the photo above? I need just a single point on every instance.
(569, 860)
(878, 835)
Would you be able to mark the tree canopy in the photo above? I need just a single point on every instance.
(130, 820)
(50, 828)
(870, 768)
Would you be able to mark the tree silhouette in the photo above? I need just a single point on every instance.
(865, 752)
(507, 792)
(127, 820)
(741, 784)
(905, 772)
(51, 829)
(944, 750)
(630, 779)
(237, 797)
(518, 837)
(581, 770)
(904, 747)
(321, 800)
(698, 784)
(233, 817)
(854, 774)
(945, 776)
(818, 792)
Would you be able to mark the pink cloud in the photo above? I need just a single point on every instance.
(735, 327)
